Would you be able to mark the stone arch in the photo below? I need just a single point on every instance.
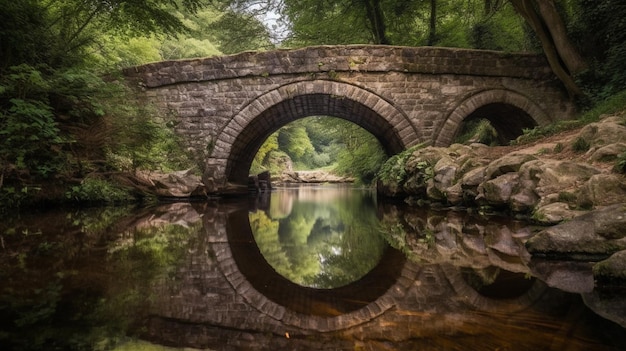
(492, 104)
(319, 310)
(240, 139)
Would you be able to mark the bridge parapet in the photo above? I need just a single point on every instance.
(349, 58)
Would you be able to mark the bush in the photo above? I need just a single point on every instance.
(94, 190)
(580, 145)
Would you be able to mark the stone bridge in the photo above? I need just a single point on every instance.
(225, 107)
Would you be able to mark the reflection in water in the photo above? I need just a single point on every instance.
(327, 236)
(193, 276)
(79, 280)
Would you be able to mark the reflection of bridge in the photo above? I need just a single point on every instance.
(227, 106)
(223, 297)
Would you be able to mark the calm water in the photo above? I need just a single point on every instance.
(307, 268)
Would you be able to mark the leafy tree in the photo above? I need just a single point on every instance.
(598, 29)
(52, 103)
(294, 140)
(261, 158)
(362, 155)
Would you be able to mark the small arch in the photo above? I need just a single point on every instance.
(520, 112)
(240, 139)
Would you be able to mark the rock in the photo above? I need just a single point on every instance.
(592, 236)
(605, 132)
(608, 152)
(612, 270)
(559, 175)
(525, 199)
(181, 184)
(601, 190)
(260, 182)
(313, 177)
(455, 194)
(498, 191)
(555, 212)
(444, 173)
(507, 164)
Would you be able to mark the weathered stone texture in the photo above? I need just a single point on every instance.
(402, 95)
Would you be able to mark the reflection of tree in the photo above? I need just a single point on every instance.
(322, 243)
(265, 232)
(69, 294)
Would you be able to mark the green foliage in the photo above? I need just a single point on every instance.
(294, 140)
(397, 22)
(321, 245)
(361, 155)
(580, 145)
(613, 104)
(598, 28)
(93, 190)
(567, 197)
(393, 170)
(478, 131)
(261, 160)
(30, 140)
(322, 142)
(236, 32)
(500, 29)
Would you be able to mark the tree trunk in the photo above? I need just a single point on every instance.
(376, 19)
(551, 18)
(528, 11)
(432, 29)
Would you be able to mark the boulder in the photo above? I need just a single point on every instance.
(612, 270)
(555, 212)
(592, 236)
(556, 175)
(498, 191)
(601, 190)
(607, 131)
(608, 152)
(181, 184)
(507, 164)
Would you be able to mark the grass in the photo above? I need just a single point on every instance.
(613, 104)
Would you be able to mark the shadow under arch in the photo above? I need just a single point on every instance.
(322, 310)
(243, 135)
(508, 112)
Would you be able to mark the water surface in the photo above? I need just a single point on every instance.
(301, 269)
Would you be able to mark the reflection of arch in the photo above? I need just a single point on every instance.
(314, 309)
(509, 113)
(244, 134)
(519, 303)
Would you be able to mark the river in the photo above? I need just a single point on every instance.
(303, 268)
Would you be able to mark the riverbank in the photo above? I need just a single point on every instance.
(568, 180)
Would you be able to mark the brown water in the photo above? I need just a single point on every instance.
(321, 268)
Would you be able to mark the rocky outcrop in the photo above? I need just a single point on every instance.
(181, 184)
(311, 177)
(553, 180)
